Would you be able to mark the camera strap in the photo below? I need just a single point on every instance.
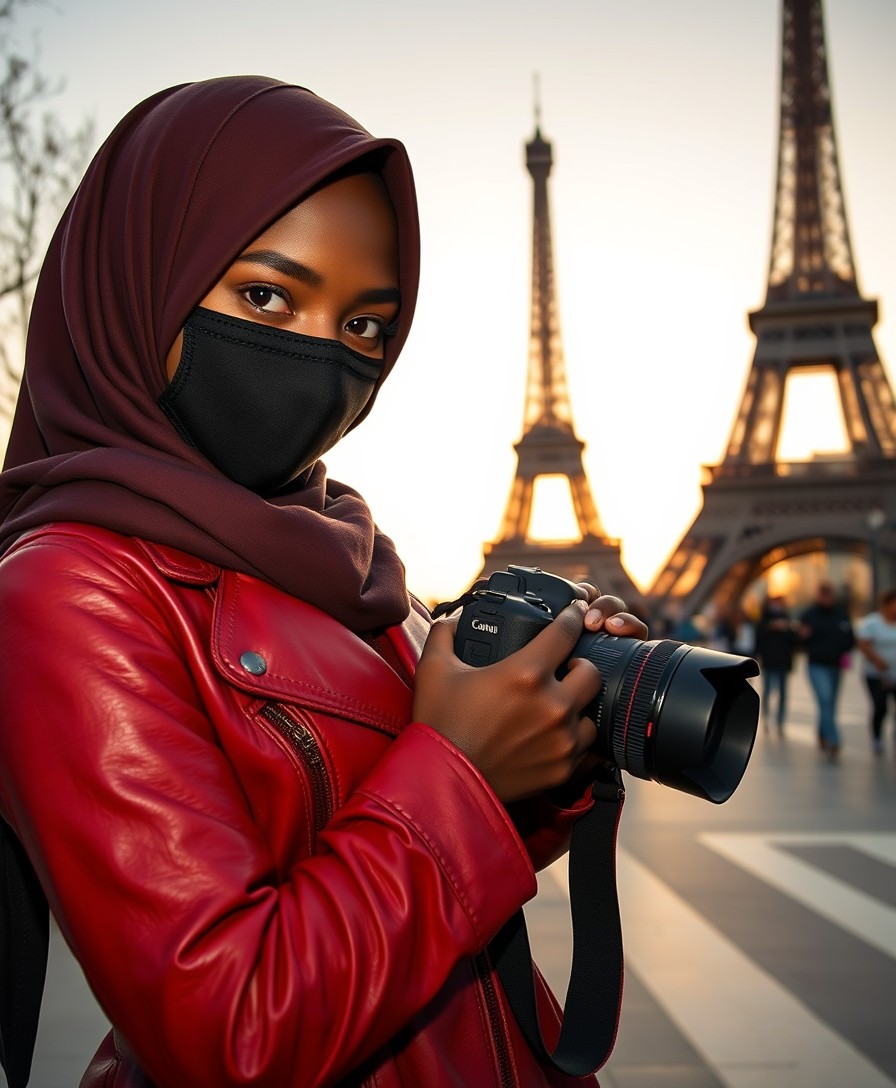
(594, 993)
(24, 944)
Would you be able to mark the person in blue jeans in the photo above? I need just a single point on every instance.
(827, 634)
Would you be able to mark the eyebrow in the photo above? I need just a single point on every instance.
(279, 262)
(379, 294)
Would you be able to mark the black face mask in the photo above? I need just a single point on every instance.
(263, 404)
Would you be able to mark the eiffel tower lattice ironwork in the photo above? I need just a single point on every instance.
(549, 445)
(757, 510)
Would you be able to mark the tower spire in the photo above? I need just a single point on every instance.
(547, 393)
(549, 445)
(811, 254)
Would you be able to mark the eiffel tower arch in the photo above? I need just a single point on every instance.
(549, 445)
(758, 510)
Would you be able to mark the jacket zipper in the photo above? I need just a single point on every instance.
(495, 1020)
(304, 743)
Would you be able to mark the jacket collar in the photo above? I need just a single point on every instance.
(275, 646)
(180, 566)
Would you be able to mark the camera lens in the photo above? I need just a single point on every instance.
(681, 715)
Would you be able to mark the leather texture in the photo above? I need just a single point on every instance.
(269, 875)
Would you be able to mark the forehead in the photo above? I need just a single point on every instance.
(351, 214)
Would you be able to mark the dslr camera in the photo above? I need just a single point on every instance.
(667, 711)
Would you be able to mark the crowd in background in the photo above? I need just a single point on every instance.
(823, 635)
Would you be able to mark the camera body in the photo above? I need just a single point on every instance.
(509, 612)
(682, 715)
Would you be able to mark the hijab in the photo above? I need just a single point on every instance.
(179, 189)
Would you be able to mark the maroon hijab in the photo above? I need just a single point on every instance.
(183, 184)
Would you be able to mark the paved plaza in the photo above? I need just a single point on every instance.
(760, 935)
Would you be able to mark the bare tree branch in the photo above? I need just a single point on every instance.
(40, 161)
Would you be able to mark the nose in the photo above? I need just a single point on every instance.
(318, 322)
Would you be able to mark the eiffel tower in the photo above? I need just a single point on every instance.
(549, 446)
(756, 509)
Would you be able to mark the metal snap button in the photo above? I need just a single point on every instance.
(253, 663)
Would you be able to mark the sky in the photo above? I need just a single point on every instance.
(663, 117)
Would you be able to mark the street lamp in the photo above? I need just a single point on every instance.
(875, 520)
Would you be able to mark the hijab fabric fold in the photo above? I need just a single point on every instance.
(179, 189)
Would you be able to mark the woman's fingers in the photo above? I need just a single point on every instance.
(522, 727)
(552, 646)
(607, 613)
(582, 683)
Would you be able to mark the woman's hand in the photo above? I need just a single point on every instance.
(519, 725)
(607, 613)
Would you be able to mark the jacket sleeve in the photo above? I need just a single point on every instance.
(545, 826)
(217, 970)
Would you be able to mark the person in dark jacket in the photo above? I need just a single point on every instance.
(776, 640)
(826, 633)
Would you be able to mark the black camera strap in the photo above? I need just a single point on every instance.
(24, 943)
(594, 993)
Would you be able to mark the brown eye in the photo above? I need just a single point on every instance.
(268, 299)
(368, 328)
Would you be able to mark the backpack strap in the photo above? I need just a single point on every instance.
(24, 946)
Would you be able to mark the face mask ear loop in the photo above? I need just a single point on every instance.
(177, 382)
(184, 363)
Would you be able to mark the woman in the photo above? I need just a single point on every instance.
(278, 856)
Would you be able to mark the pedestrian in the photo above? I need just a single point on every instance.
(277, 846)
(722, 628)
(744, 638)
(876, 639)
(827, 636)
(775, 642)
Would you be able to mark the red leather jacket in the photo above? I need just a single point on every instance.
(268, 875)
